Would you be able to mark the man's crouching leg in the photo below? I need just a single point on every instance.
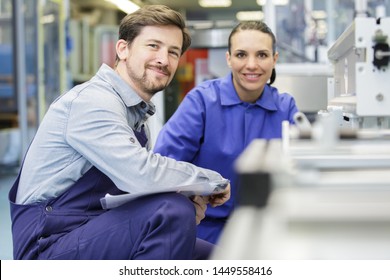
(154, 227)
(169, 228)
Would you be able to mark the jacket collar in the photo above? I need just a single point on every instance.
(127, 93)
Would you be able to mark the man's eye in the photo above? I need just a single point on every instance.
(174, 53)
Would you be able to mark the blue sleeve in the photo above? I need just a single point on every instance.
(181, 137)
(293, 109)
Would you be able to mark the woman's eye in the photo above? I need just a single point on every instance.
(263, 55)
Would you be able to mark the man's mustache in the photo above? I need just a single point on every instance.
(162, 69)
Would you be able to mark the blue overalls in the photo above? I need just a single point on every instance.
(74, 225)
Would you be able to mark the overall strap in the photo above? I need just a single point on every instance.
(141, 136)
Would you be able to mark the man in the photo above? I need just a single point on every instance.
(90, 143)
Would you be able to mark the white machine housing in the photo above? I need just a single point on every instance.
(360, 88)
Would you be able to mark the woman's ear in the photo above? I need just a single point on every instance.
(122, 49)
(276, 56)
(227, 55)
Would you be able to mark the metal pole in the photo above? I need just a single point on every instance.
(19, 58)
(270, 16)
(331, 36)
(361, 8)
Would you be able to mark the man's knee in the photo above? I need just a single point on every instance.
(178, 207)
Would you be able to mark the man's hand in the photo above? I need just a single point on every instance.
(221, 198)
(200, 203)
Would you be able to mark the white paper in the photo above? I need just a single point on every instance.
(205, 188)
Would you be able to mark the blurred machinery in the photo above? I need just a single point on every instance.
(323, 190)
(359, 91)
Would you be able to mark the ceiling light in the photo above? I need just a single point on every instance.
(46, 19)
(275, 2)
(203, 25)
(215, 3)
(319, 14)
(250, 15)
(125, 5)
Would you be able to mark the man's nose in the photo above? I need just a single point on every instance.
(163, 57)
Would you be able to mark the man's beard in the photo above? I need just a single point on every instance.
(144, 84)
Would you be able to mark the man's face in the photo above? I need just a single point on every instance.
(152, 58)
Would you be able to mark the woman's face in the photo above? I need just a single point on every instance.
(251, 61)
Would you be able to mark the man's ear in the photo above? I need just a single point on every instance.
(122, 49)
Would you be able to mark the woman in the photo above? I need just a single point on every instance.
(219, 118)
